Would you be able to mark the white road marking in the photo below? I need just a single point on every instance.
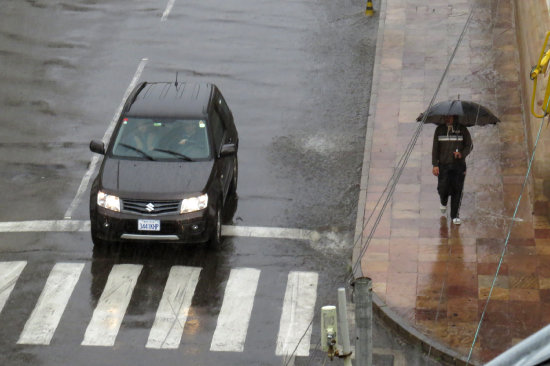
(51, 304)
(298, 310)
(230, 333)
(233, 321)
(168, 10)
(270, 232)
(82, 188)
(44, 226)
(227, 230)
(103, 328)
(9, 273)
(174, 307)
(86, 178)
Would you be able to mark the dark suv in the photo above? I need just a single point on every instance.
(169, 167)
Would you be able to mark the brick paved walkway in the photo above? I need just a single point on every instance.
(436, 275)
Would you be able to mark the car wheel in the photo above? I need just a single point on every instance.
(100, 245)
(234, 180)
(216, 240)
(95, 238)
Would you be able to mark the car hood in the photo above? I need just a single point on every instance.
(155, 179)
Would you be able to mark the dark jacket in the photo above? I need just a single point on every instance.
(446, 141)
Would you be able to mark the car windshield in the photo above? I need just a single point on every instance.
(162, 139)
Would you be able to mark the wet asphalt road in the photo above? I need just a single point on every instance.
(296, 75)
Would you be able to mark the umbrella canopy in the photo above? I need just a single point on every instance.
(469, 113)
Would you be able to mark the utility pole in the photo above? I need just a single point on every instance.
(363, 320)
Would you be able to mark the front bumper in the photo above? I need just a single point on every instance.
(113, 226)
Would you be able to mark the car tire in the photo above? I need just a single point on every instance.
(95, 239)
(100, 245)
(105, 248)
(216, 240)
(235, 178)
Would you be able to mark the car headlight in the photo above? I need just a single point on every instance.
(108, 201)
(193, 204)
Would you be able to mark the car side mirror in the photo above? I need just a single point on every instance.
(97, 146)
(228, 149)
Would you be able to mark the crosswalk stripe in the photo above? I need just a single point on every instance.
(298, 310)
(51, 304)
(9, 273)
(233, 320)
(173, 308)
(230, 333)
(107, 318)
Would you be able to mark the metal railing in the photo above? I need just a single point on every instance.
(533, 350)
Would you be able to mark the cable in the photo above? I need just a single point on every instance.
(506, 242)
(404, 158)
(298, 343)
(392, 183)
(396, 176)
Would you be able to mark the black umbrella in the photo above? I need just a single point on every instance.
(469, 113)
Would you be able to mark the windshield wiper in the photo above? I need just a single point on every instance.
(137, 150)
(175, 153)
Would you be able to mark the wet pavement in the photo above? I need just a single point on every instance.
(65, 68)
(432, 276)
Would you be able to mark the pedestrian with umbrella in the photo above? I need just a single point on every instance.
(451, 145)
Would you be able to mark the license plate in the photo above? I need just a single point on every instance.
(149, 225)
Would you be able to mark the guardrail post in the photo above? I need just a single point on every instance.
(363, 319)
(344, 328)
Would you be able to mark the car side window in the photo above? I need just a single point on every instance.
(218, 129)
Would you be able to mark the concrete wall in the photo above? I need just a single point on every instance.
(532, 23)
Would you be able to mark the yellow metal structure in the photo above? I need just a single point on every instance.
(369, 11)
(542, 66)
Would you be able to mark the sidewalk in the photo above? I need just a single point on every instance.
(435, 276)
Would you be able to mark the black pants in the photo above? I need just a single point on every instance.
(450, 182)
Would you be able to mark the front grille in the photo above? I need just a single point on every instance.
(151, 207)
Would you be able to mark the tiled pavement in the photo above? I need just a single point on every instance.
(436, 276)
